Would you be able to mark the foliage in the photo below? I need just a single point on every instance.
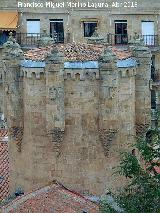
(142, 194)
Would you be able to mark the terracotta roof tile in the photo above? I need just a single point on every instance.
(53, 198)
(75, 52)
(4, 167)
(121, 54)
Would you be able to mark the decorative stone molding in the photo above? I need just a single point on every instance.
(96, 38)
(141, 129)
(55, 93)
(30, 72)
(82, 75)
(16, 134)
(107, 136)
(52, 93)
(138, 45)
(108, 56)
(12, 49)
(56, 136)
(137, 40)
(126, 73)
(45, 40)
(154, 85)
(112, 92)
(55, 57)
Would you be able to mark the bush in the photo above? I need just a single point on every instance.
(142, 194)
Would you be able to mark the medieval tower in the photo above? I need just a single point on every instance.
(70, 123)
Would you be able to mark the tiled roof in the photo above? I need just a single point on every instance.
(81, 52)
(121, 53)
(76, 52)
(38, 54)
(72, 52)
(50, 199)
(4, 166)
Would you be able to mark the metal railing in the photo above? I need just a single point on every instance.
(25, 39)
(150, 40)
(116, 39)
(123, 39)
(58, 37)
(154, 116)
(153, 73)
(31, 39)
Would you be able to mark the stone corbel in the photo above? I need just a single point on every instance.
(107, 136)
(112, 92)
(16, 134)
(56, 136)
(52, 91)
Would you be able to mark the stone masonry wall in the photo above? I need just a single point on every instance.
(126, 107)
(76, 121)
(81, 150)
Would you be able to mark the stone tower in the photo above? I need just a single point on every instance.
(73, 121)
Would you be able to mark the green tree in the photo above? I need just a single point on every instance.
(142, 194)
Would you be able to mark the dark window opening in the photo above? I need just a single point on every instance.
(89, 28)
(149, 137)
(153, 73)
(4, 35)
(121, 36)
(153, 99)
(134, 152)
(57, 30)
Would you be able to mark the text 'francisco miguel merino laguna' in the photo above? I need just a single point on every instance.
(49, 4)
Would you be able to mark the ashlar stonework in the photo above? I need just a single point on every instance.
(74, 122)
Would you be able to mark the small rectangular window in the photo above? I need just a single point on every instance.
(33, 27)
(89, 28)
(148, 33)
(57, 30)
(121, 36)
